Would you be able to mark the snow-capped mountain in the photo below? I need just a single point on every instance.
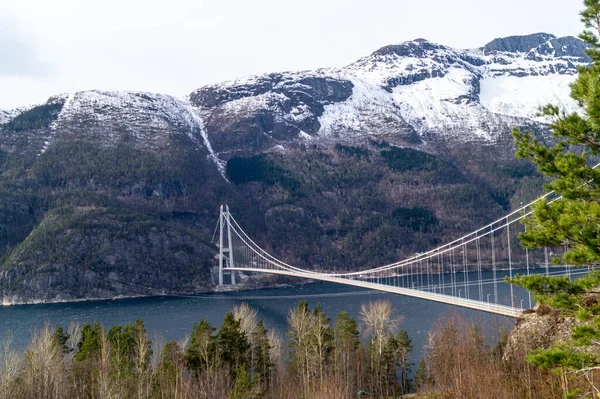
(413, 92)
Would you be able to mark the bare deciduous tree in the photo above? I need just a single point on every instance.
(300, 323)
(44, 374)
(10, 366)
(106, 389)
(380, 322)
(276, 352)
(143, 351)
(246, 315)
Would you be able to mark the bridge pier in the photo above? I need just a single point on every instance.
(225, 246)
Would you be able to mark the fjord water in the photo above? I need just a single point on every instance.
(172, 318)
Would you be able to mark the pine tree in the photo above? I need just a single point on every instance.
(244, 388)
(130, 349)
(232, 344)
(422, 379)
(169, 374)
(395, 359)
(573, 221)
(60, 338)
(121, 345)
(202, 347)
(261, 356)
(387, 382)
(89, 343)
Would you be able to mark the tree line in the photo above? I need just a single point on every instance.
(242, 359)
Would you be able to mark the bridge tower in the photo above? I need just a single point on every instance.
(225, 245)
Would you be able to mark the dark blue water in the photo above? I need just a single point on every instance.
(172, 318)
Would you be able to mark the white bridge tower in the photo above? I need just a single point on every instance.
(225, 246)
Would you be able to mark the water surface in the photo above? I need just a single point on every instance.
(172, 318)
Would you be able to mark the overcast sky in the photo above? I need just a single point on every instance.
(175, 46)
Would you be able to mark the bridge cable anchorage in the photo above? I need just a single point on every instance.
(433, 275)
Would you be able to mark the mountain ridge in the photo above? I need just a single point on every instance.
(417, 87)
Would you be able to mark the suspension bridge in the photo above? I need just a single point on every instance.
(467, 272)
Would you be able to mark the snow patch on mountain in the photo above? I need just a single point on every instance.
(148, 118)
(413, 61)
(368, 105)
(523, 96)
(432, 90)
(8, 115)
(248, 106)
(66, 99)
(443, 106)
(305, 136)
(5, 116)
(196, 123)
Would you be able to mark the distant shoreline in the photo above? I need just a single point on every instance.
(7, 303)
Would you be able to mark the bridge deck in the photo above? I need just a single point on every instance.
(463, 302)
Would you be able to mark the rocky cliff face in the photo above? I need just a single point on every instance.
(538, 330)
(543, 327)
(264, 110)
(325, 168)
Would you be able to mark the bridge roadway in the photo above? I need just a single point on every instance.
(451, 300)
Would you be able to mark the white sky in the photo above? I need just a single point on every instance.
(175, 46)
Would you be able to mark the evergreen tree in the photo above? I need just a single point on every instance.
(573, 221)
(89, 344)
(387, 383)
(261, 356)
(60, 338)
(232, 344)
(422, 379)
(169, 371)
(244, 388)
(121, 345)
(395, 366)
(127, 345)
(202, 347)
